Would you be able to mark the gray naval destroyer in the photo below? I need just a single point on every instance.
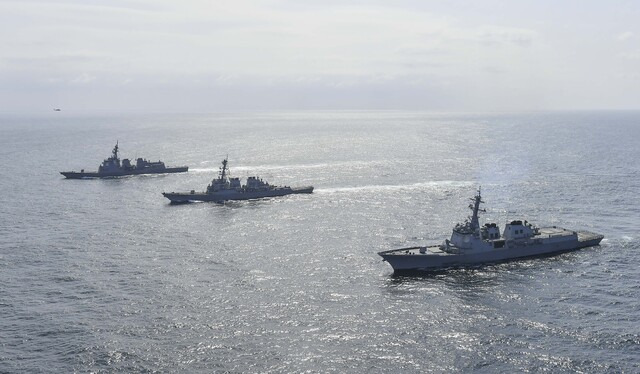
(113, 167)
(472, 244)
(225, 188)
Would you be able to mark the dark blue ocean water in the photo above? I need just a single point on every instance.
(106, 276)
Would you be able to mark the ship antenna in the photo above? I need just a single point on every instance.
(475, 207)
(223, 171)
(115, 151)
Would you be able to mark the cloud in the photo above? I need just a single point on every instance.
(495, 35)
(633, 55)
(494, 70)
(241, 37)
(83, 78)
(50, 62)
(351, 53)
(625, 36)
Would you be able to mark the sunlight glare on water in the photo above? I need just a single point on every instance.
(105, 275)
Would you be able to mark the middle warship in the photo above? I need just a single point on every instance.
(226, 188)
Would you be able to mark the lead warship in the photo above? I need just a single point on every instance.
(472, 244)
(225, 188)
(112, 167)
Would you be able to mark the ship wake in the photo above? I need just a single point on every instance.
(324, 165)
(396, 187)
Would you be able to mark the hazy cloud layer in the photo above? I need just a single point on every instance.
(206, 55)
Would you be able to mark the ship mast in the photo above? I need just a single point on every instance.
(223, 170)
(115, 151)
(475, 207)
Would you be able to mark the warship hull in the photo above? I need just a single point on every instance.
(426, 259)
(95, 174)
(185, 197)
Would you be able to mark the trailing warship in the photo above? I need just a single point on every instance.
(472, 244)
(225, 188)
(112, 167)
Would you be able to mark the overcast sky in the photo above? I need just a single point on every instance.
(218, 55)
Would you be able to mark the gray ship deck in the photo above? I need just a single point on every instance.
(584, 237)
(431, 250)
(548, 232)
